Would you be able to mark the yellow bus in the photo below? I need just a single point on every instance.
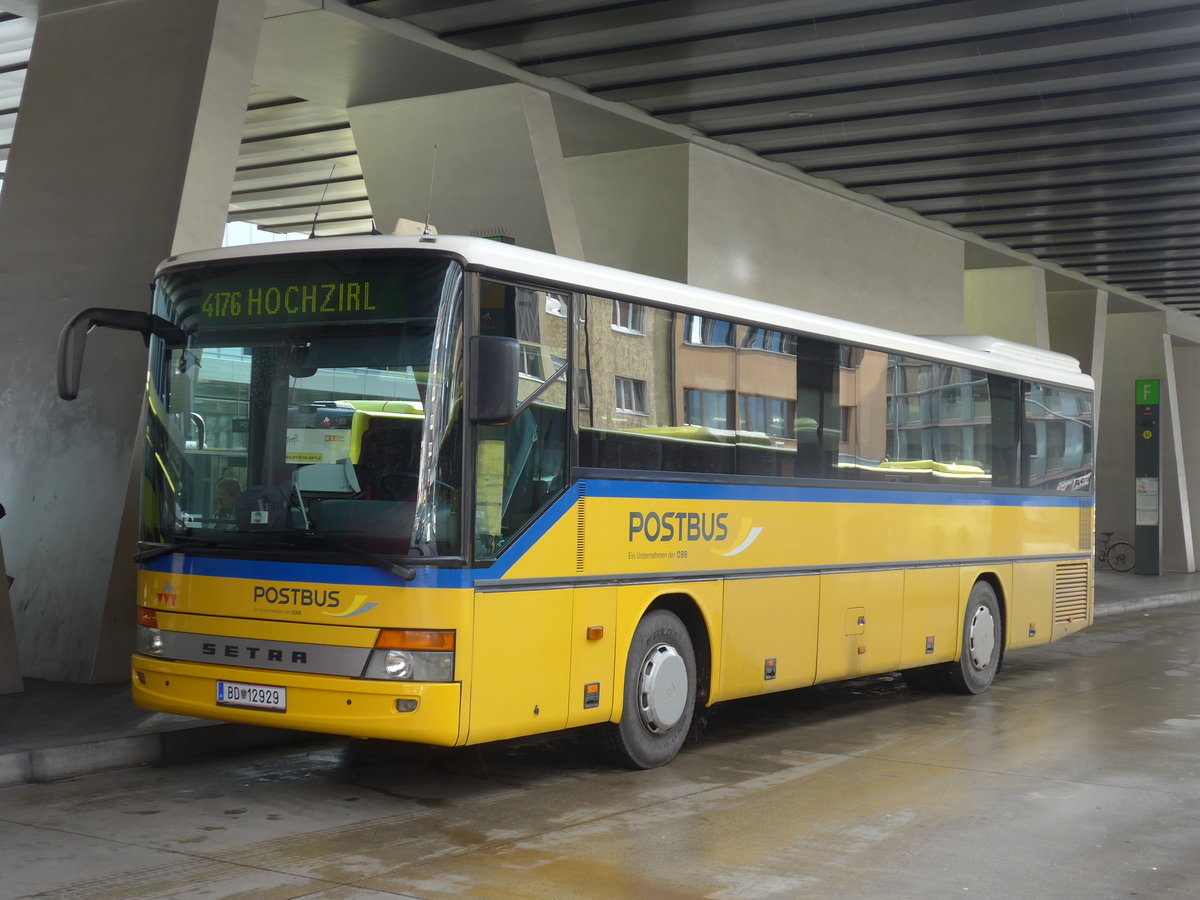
(480, 492)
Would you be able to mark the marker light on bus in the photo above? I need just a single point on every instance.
(412, 655)
(149, 638)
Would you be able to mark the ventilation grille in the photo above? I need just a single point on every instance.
(1071, 592)
(1087, 530)
(579, 527)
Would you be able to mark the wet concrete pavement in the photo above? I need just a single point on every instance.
(1074, 777)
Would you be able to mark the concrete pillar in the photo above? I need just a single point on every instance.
(498, 166)
(1007, 303)
(124, 153)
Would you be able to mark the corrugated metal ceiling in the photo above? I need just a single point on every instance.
(1065, 129)
(1068, 130)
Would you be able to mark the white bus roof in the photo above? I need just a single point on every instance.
(523, 264)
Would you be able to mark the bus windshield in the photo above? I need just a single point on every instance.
(316, 404)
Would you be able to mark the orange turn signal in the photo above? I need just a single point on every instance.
(147, 617)
(411, 639)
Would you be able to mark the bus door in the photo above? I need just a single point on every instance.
(522, 635)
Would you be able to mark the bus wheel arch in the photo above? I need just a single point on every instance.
(665, 682)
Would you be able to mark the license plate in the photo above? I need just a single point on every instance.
(251, 696)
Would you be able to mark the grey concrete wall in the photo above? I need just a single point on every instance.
(153, 92)
(1007, 303)
(632, 208)
(497, 169)
(758, 234)
(1073, 324)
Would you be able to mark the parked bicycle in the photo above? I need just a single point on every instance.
(1117, 554)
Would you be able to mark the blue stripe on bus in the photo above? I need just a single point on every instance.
(367, 576)
(311, 573)
(660, 490)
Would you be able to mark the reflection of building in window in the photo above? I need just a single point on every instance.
(631, 395)
(708, 332)
(556, 304)
(1059, 436)
(608, 350)
(772, 416)
(583, 390)
(771, 341)
(940, 413)
(531, 360)
(629, 317)
(709, 409)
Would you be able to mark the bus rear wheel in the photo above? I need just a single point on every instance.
(982, 650)
(982, 643)
(660, 694)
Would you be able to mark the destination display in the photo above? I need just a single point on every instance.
(303, 290)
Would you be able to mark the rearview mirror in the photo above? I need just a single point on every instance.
(495, 368)
(73, 337)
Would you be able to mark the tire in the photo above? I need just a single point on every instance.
(982, 650)
(1120, 556)
(982, 643)
(660, 694)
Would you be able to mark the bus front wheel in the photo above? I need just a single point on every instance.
(660, 694)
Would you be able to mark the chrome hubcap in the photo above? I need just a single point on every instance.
(981, 637)
(662, 689)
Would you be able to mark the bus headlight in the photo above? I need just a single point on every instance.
(149, 638)
(411, 655)
(410, 665)
(397, 664)
(149, 641)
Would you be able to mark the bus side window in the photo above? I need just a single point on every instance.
(1006, 431)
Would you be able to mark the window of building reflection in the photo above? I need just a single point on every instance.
(707, 332)
(629, 317)
(707, 409)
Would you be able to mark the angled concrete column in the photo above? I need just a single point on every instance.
(124, 152)
(1179, 551)
(498, 168)
(1009, 303)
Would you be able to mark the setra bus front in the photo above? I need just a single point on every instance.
(302, 558)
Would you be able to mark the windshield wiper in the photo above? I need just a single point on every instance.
(376, 559)
(300, 539)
